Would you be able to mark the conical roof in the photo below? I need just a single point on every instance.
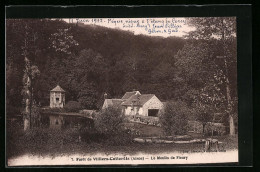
(58, 89)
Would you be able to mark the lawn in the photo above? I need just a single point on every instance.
(145, 130)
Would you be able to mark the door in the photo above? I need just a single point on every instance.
(153, 112)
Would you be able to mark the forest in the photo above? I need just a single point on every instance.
(88, 61)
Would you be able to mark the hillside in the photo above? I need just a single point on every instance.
(105, 60)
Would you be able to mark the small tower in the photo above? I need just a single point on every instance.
(57, 97)
(105, 96)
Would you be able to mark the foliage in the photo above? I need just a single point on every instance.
(119, 139)
(13, 110)
(72, 106)
(208, 27)
(98, 60)
(88, 78)
(62, 41)
(195, 64)
(204, 114)
(91, 62)
(109, 120)
(40, 139)
(174, 120)
(201, 78)
(224, 30)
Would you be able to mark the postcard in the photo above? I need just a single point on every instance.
(121, 91)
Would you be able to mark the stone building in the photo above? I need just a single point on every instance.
(57, 97)
(135, 103)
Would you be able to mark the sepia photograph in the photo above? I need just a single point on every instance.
(121, 91)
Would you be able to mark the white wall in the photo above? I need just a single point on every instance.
(128, 110)
(54, 103)
(153, 103)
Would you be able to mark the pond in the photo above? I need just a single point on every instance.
(55, 121)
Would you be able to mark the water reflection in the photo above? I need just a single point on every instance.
(56, 121)
(66, 121)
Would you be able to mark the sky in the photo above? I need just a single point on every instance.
(164, 27)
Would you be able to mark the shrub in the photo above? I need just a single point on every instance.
(174, 120)
(39, 138)
(109, 120)
(72, 106)
(119, 139)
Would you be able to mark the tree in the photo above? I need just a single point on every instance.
(202, 81)
(223, 29)
(174, 119)
(119, 61)
(88, 96)
(203, 114)
(62, 41)
(30, 51)
(89, 78)
(30, 73)
(109, 121)
(209, 27)
(73, 106)
(195, 68)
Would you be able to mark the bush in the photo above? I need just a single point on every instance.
(109, 120)
(120, 139)
(73, 106)
(174, 120)
(39, 138)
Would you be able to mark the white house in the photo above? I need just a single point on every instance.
(135, 103)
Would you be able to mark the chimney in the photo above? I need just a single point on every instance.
(138, 99)
(105, 96)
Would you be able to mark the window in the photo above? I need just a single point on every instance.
(57, 99)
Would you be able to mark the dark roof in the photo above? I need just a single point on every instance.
(129, 94)
(137, 100)
(113, 102)
(58, 89)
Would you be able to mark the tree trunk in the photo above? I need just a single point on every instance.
(31, 102)
(203, 128)
(231, 125)
(26, 115)
(26, 124)
(231, 119)
(26, 121)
